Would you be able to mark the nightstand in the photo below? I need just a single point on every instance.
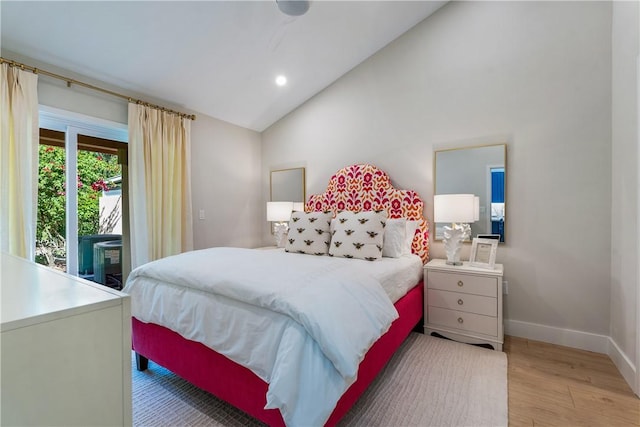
(464, 303)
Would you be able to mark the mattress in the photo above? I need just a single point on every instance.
(396, 275)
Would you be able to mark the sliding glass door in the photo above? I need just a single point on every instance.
(82, 221)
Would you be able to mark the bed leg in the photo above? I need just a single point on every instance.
(142, 363)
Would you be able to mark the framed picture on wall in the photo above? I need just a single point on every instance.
(483, 253)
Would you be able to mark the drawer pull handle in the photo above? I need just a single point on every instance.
(460, 283)
(460, 320)
(460, 302)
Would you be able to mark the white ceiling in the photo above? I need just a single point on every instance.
(219, 58)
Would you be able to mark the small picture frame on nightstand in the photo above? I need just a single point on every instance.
(483, 253)
(488, 236)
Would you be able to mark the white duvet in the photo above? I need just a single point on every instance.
(302, 323)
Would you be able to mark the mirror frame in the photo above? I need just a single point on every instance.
(435, 170)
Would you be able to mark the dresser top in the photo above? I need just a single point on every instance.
(32, 293)
(441, 264)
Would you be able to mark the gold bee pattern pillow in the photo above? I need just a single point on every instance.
(358, 235)
(309, 233)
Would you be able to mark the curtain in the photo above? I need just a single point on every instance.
(159, 184)
(19, 139)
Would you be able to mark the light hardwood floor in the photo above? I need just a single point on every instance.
(551, 385)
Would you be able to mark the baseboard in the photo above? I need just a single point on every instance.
(624, 365)
(567, 337)
(576, 339)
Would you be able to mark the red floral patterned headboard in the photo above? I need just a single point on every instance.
(364, 188)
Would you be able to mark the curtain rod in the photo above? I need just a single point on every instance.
(71, 81)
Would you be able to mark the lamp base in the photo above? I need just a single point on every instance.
(280, 233)
(453, 237)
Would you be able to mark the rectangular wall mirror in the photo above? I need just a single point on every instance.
(475, 170)
(288, 185)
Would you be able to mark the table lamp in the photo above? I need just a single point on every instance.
(459, 210)
(279, 213)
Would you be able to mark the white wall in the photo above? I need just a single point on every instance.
(225, 165)
(624, 189)
(536, 75)
(226, 183)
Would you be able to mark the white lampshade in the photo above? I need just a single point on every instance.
(279, 211)
(454, 208)
(298, 206)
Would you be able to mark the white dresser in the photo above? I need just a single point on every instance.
(65, 349)
(464, 303)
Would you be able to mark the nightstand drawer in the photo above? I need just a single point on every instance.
(477, 304)
(464, 321)
(477, 285)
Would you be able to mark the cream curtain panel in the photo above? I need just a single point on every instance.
(159, 184)
(19, 138)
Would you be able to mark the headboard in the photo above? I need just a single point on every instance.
(364, 187)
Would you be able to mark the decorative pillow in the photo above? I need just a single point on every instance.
(411, 228)
(332, 225)
(358, 235)
(309, 233)
(395, 238)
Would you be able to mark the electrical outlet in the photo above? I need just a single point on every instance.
(505, 287)
(201, 214)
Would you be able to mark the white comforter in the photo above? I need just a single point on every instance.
(302, 323)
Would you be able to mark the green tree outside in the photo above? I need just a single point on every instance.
(94, 169)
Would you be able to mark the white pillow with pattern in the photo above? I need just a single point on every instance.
(358, 235)
(309, 233)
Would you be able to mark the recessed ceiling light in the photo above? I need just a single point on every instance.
(281, 80)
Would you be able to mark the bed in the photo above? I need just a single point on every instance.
(164, 331)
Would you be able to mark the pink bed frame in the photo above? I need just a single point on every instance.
(357, 187)
(240, 387)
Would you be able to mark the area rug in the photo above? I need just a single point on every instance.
(428, 382)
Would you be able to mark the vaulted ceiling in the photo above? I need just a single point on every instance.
(219, 58)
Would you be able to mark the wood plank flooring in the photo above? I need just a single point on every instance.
(551, 385)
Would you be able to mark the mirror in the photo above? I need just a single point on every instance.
(479, 171)
(288, 185)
